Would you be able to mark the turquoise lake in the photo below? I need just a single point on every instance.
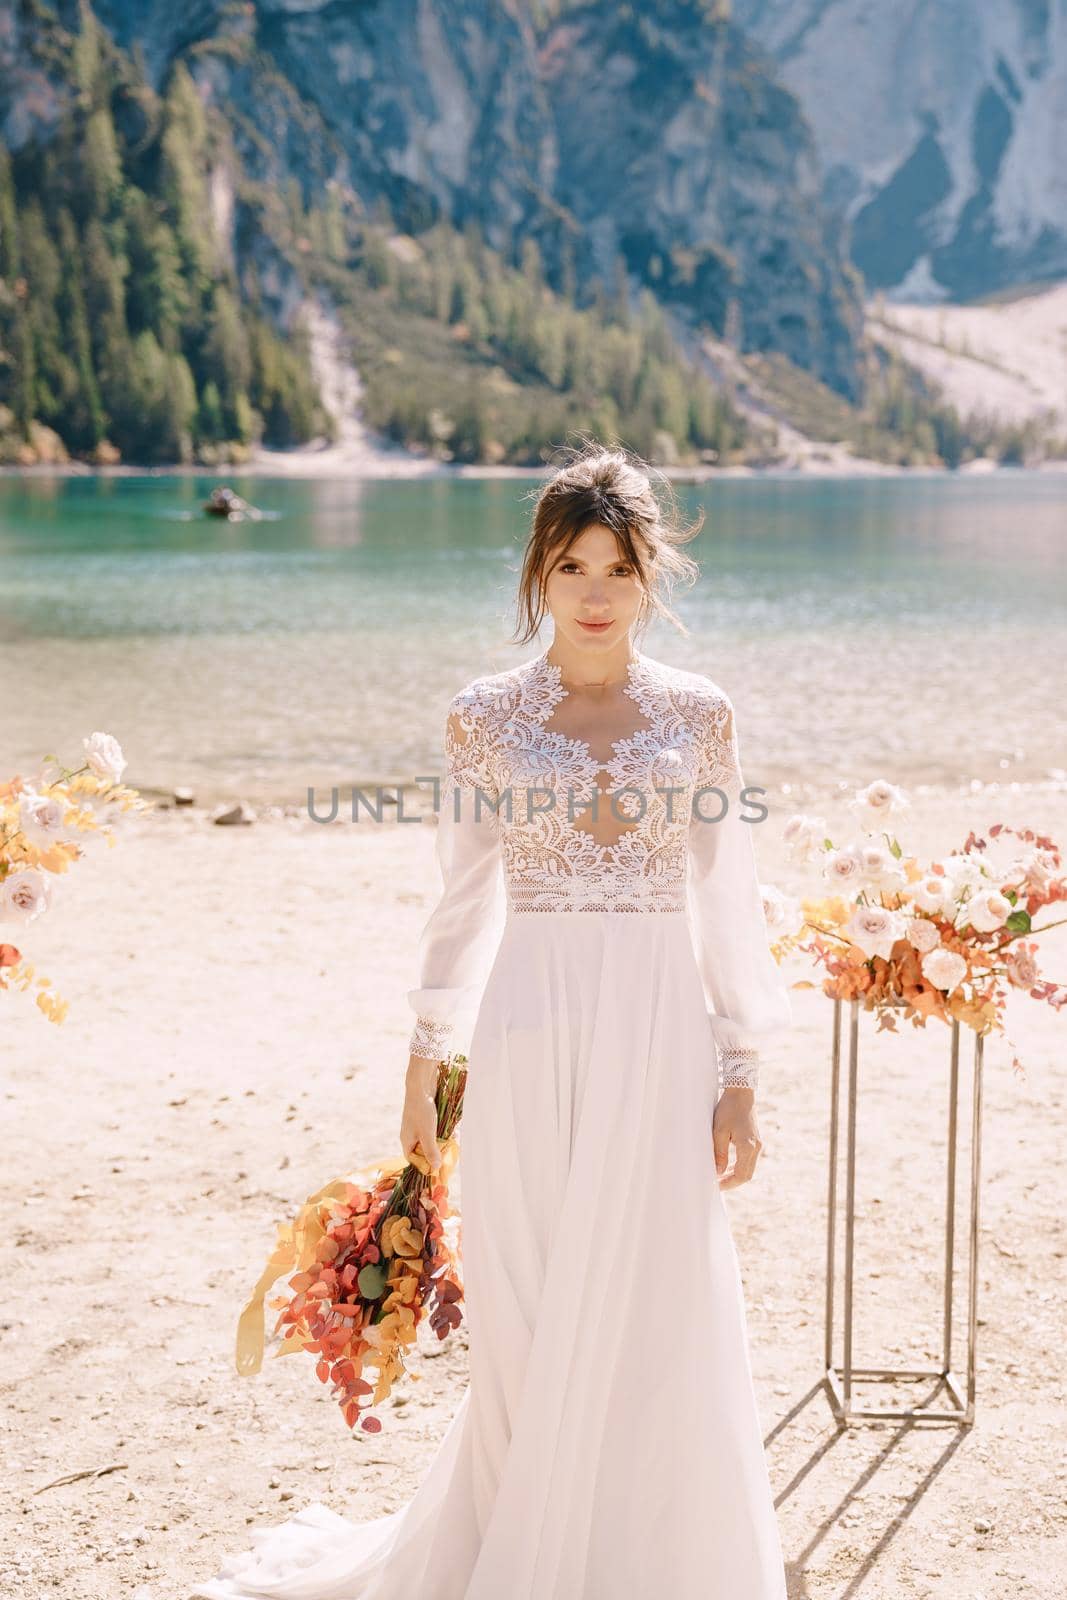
(907, 627)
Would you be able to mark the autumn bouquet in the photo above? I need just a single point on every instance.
(45, 823)
(373, 1260)
(948, 939)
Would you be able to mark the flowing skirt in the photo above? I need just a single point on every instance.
(608, 1443)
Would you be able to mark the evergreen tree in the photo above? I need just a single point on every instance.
(41, 273)
(209, 423)
(183, 177)
(227, 358)
(9, 241)
(158, 296)
(101, 175)
(84, 425)
(164, 398)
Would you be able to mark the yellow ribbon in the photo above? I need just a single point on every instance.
(298, 1243)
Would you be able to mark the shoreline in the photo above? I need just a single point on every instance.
(326, 464)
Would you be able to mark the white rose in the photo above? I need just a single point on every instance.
(875, 804)
(1001, 858)
(24, 895)
(41, 817)
(844, 868)
(932, 893)
(874, 930)
(964, 871)
(881, 869)
(1036, 869)
(781, 911)
(804, 835)
(944, 968)
(104, 756)
(922, 935)
(987, 911)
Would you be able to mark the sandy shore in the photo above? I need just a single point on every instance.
(237, 1036)
(328, 462)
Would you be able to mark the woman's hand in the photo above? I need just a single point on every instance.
(734, 1123)
(418, 1122)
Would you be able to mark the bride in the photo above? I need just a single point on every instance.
(599, 951)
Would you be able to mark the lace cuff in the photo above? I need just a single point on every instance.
(740, 1068)
(429, 1041)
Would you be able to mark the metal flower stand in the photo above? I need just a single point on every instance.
(954, 1387)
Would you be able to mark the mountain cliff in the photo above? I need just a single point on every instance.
(939, 128)
(647, 137)
(675, 146)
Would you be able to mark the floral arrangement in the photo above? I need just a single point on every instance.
(948, 939)
(43, 826)
(373, 1260)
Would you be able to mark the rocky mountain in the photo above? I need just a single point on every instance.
(650, 135)
(940, 127)
(674, 145)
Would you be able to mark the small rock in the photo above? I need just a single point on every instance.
(184, 797)
(982, 1526)
(229, 815)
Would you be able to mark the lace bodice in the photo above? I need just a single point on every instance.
(664, 833)
(539, 785)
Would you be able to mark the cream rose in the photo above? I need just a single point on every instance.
(781, 911)
(104, 756)
(932, 893)
(844, 868)
(878, 802)
(1036, 869)
(41, 817)
(24, 895)
(944, 969)
(922, 935)
(881, 869)
(804, 835)
(965, 872)
(874, 930)
(987, 910)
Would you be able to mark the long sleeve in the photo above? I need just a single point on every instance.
(459, 939)
(747, 997)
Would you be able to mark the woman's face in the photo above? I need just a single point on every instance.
(591, 583)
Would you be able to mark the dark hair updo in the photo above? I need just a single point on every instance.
(613, 487)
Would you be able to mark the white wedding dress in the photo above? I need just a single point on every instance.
(594, 968)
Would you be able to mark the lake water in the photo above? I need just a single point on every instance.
(913, 628)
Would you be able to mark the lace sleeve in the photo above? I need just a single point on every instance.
(460, 937)
(747, 998)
